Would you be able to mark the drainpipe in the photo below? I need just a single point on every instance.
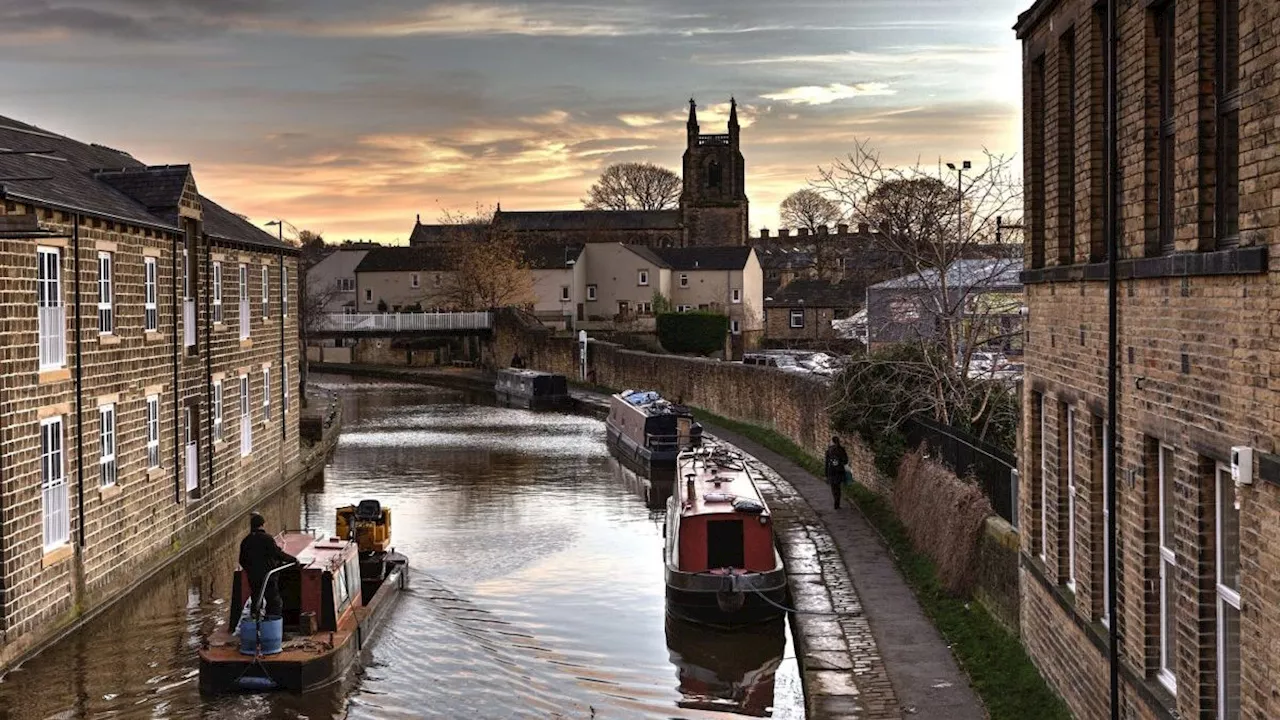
(75, 252)
(208, 345)
(1111, 158)
(284, 379)
(177, 391)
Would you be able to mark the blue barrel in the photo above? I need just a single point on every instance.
(269, 634)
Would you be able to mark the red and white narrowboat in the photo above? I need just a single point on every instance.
(334, 601)
(723, 567)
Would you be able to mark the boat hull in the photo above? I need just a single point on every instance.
(533, 402)
(223, 669)
(727, 600)
(638, 458)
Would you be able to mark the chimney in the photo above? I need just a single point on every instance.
(419, 218)
(804, 232)
(864, 228)
(822, 230)
(783, 232)
(842, 229)
(764, 232)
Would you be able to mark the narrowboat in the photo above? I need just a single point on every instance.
(335, 599)
(517, 387)
(647, 432)
(722, 565)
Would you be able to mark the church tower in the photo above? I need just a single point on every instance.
(713, 205)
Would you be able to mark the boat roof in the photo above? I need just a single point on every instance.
(651, 403)
(522, 372)
(323, 553)
(729, 469)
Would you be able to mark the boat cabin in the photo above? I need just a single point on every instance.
(647, 420)
(317, 596)
(723, 522)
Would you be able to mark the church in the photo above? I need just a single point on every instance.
(712, 210)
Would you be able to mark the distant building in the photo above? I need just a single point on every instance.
(553, 282)
(804, 310)
(334, 278)
(397, 279)
(916, 306)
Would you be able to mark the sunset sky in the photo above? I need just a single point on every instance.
(352, 116)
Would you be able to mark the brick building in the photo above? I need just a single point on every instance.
(146, 381)
(1196, 556)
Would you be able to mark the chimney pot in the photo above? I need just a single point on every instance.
(764, 232)
(784, 232)
(864, 228)
(842, 229)
(822, 230)
(804, 232)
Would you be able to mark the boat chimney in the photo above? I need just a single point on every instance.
(689, 487)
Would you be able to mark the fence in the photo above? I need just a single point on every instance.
(407, 322)
(995, 470)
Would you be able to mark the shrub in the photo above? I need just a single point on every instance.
(693, 332)
(944, 516)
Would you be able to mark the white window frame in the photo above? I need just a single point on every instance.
(683, 308)
(642, 278)
(735, 327)
(266, 291)
(244, 311)
(284, 291)
(186, 276)
(246, 418)
(108, 470)
(284, 389)
(735, 295)
(1071, 498)
(684, 280)
(153, 431)
(150, 283)
(346, 285)
(1167, 672)
(266, 394)
(793, 316)
(1228, 597)
(217, 411)
(52, 317)
(1106, 514)
(415, 280)
(564, 293)
(217, 293)
(55, 520)
(591, 293)
(106, 293)
(368, 295)
(1044, 478)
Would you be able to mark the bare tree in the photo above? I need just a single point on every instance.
(954, 298)
(312, 301)
(809, 209)
(634, 186)
(486, 261)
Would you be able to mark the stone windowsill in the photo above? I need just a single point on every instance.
(246, 343)
(52, 376)
(219, 326)
(56, 555)
(109, 339)
(153, 336)
(109, 491)
(266, 319)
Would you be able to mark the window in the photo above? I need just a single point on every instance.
(150, 313)
(186, 277)
(346, 285)
(368, 294)
(107, 446)
(735, 327)
(244, 302)
(246, 420)
(904, 309)
(684, 280)
(1066, 149)
(797, 318)
(348, 310)
(735, 295)
(591, 292)
(217, 292)
(714, 175)
(1227, 542)
(284, 291)
(52, 315)
(1166, 42)
(1035, 160)
(266, 394)
(1168, 568)
(564, 293)
(106, 320)
(413, 280)
(217, 411)
(53, 485)
(1227, 206)
(1044, 473)
(266, 291)
(284, 388)
(1070, 465)
(1106, 515)
(153, 431)
(642, 277)
(644, 308)
(683, 308)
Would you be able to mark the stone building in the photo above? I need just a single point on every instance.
(1196, 555)
(713, 205)
(392, 279)
(804, 309)
(147, 383)
(918, 306)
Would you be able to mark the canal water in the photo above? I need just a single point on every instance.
(536, 589)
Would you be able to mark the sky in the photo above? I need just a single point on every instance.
(352, 117)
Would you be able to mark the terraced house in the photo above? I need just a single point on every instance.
(1197, 551)
(146, 379)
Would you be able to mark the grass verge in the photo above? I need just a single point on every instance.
(997, 665)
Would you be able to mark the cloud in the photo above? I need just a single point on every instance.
(888, 56)
(551, 117)
(465, 19)
(827, 94)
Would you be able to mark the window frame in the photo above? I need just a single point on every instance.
(1226, 215)
(1226, 596)
(246, 417)
(564, 293)
(266, 395)
(1106, 514)
(1166, 143)
(1166, 671)
(794, 315)
(150, 288)
(1044, 484)
(51, 483)
(368, 295)
(106, 293)
(1070, 421)
(284, 291)
(217, 293)
(735, 327)
(642, 277)
(152, 418)
(284, 389)
(415, 280)
(591, 293)
(108, 469)
(684, 280)
(49, 296)
(735, 295)
(266, 291)
(346, 285)
(217, 411)
(243, 310)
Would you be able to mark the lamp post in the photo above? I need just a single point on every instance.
(959, 171)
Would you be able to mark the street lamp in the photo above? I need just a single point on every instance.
(959, 171)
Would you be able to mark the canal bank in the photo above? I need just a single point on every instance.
(311, 461)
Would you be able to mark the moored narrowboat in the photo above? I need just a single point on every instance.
(532, 389)
(722, 566)
(335, 599)
(647, 432)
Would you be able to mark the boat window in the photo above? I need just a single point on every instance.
(340, 585)
(724, 544)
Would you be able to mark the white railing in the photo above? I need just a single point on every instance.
(407, 322)
(188, 322)
(53, 336)
(244, 318)
(193, 467)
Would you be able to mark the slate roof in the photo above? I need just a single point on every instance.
(107, 183)
(649, 254)
(778, 258)
(532, 220)
(817, 293)
(438, 234)
(551, 256)
(402, 258)
(732, 257)
(1000, 273)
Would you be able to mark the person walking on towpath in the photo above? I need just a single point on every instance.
(834, 462)
(259, 555)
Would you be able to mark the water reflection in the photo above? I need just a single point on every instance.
(727, 671)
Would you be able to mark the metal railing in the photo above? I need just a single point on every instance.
(53, 336)
(407, 322)
(188, 322)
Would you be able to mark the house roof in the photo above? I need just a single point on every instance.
(437, 234)
(532, 220)
(402, 258)
(551, 256)
(783, 258)
(1003, 273)
(648, 254)
(817, 293)
(731, 257)
(106, 183)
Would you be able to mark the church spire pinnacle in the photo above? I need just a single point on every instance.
(693, 113)
(733, 112)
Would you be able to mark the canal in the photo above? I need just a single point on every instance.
(536, 589)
